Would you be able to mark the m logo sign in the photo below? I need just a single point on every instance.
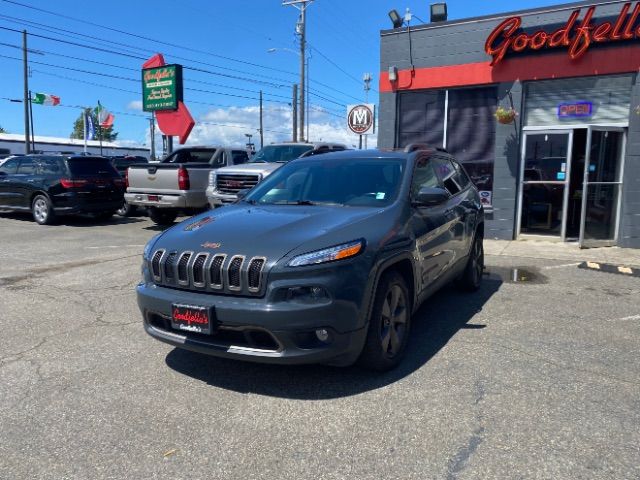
(361, 118)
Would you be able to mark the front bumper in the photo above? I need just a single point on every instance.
(217, 199)
(253, 329)
(183, 200)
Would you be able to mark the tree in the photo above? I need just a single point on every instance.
(2, 130)
(108, 134)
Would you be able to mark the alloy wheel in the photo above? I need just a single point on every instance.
(41, 210)
(394, 321)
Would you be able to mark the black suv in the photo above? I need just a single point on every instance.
(323, 262)
(51, 185)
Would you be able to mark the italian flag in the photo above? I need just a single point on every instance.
(45, 99)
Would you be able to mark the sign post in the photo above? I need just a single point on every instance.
(361, 119)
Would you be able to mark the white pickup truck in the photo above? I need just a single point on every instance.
(179, 182)
(225, 183)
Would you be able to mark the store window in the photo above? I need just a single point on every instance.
(470, 128)
(421, 118)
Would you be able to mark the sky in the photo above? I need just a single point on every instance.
(101, 46)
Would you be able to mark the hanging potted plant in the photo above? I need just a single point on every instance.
(505, 115)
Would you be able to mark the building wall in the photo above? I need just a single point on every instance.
(462, 42)
(630, 214)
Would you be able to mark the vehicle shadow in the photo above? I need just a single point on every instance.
(76, 220)
(435, 323)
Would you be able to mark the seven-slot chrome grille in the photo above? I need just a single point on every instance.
(203, 271)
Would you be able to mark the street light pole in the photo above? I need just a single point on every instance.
(367, 86)
(301, 29)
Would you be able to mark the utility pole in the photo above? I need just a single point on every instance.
(152, 135)
(301, 29)
(33, 135)
(261, 131)
(367, 86)
(27, 145)
(294, 115)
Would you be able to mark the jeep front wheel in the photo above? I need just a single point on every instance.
(388, 325)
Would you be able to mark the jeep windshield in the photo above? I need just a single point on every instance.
(361, 182)
(279, 153)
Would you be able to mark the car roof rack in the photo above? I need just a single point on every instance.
(412, 147)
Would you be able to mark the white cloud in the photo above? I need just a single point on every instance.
(228, 126)
(135, 105)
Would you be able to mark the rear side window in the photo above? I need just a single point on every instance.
(90, 166)
(49, 166)
(10, 166)
(27, 166)
(239, 156)
(190, 156)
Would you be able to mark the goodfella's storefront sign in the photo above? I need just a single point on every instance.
(577, 35)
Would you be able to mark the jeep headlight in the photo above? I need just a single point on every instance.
(331, 254)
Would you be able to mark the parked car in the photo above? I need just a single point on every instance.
(178, 182)
(323, 262)
(51, 185)
(225, 183)
(121, 164)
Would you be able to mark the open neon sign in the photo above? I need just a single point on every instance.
(577, 109)
(575, 36)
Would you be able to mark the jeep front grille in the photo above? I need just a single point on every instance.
(255, 269)
(168, 266)
(201, 271)
(231, 184)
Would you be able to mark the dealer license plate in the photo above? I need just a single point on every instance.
(192, 318)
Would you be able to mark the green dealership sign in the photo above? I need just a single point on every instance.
(161, 88)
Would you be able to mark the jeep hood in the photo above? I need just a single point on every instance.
(269, 231)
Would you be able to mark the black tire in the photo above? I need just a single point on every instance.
(389, 328)
(162, 216)
(471, 278)
(125, 210)
(42, 210)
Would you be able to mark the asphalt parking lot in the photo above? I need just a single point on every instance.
(536, 379)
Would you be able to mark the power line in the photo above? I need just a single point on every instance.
(119, 77)
(252, 80)
(142, 37)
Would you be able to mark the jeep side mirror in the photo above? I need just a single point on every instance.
(243, 193)
(430, 197)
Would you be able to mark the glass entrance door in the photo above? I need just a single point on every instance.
(602, 184)
(545, 173)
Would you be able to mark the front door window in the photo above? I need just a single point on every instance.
(602, 183)
(544, 180)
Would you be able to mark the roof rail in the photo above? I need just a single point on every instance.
(412, 147)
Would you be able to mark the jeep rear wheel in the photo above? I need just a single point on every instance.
(388, 325)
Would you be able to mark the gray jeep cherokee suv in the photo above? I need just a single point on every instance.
(323, 262)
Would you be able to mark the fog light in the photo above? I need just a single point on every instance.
(322, 334)
(307, 294)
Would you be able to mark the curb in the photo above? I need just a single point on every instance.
(609, 268)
